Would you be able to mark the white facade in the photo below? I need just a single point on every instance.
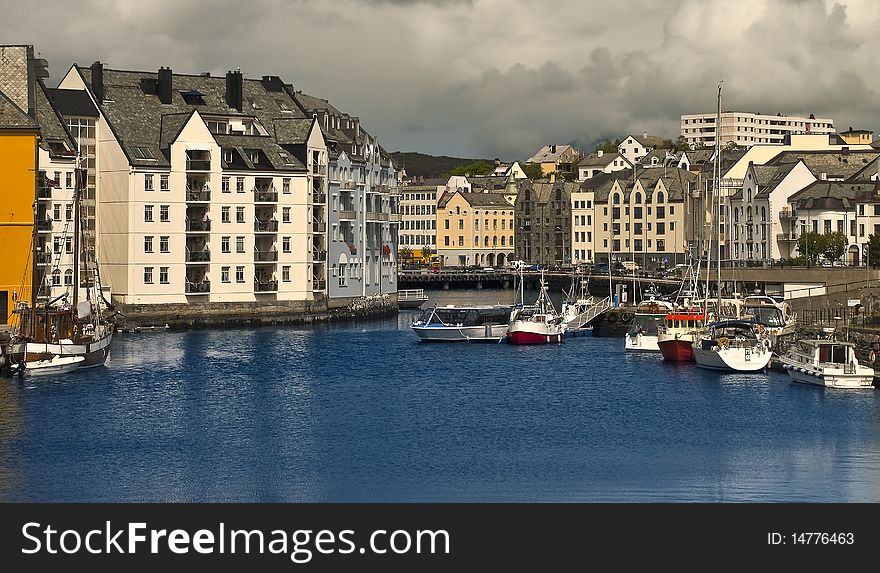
(418, 216)
(601, 162)
(746, 129)
(582, 219)
(56, 225)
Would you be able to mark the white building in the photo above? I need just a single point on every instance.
(601, 162)
(418, 217)
(746, 129)
(634, 147)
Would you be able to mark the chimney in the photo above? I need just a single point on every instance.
(645, 134)
(552, 149)
(272, 83)
(98, 81)
(164, 85)
(599, 153)
(234, 89)
(823, 176)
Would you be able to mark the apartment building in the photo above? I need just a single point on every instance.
(475, 229)
(746, 129)
(543, 221)
(418, 214)
(204, 189)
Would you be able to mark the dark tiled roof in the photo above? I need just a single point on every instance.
(837, 195)
(278, 158)
(835, 164)
(72, 102)
(293, 131)
(676, 181)
(546, 154)
(476, 199)
(56, 138)
(649, 140)
(593, 160)
(136, 115)
(11, 117)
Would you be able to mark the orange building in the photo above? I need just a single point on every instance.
(19, 135)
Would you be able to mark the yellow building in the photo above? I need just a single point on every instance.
(474, 229)
(857, 136)
(18, 168)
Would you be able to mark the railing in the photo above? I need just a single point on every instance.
(347, 215)
(373, 216)
(198, 256)
(44, 224)
(786, 237)
(265, 226)
(44, 258)
(198, 195)
(394, 218)
(350, 184)
(318, 256)
(44, 193)
(197, 226)
(202, 287)
(268, 195)
(319, 198)
(198, 164)
(319, 169)
(319, 227)
(787, 213)
(265, 286)
(265, 256)
(319, 284)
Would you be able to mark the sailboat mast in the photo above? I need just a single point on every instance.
(718, 188)
(76, 232)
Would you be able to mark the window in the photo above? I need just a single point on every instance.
(661, 212)
(861, 230)
(285, 185)
(148, 244)
(148, 213)
(460, 241)
(68, 277)
(224, 215)
(163, 213)
(285, 274)
(239, 214)
(68, 180)
(148, 182)
(148, 275)
(56, 277)
(285, 244)
(163, 245)
(285, 215)
(239, 274)
(224, 274)
(876, 208)
(239, 184)
(661, 228)
(224, 185)
(239, 244)
(672, 209)
(446, 241)
(446, 223)
(163, 275)
(224, 244)
(68, 212)
(163, 183)
(661, 245)
(461, 223)
(56, 212)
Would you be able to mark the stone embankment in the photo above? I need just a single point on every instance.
(202, 315)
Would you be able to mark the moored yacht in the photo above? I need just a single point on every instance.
(459, 323)
(828, 363)
(733, 345)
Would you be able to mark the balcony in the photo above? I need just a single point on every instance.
(198, 164)
(44, 225)
(347, 216)
(319, 227)
(787, 213)
(786, 237)
(265, 286)
(319, 284)
(198, 256)
(203, 287)
(394, 218)
(198, 226)
(270, 226)
(44, 258)
(376, 217)
(319, 169)
(198, 195)
(265, 256)
(44, 193)
(266, 195)
(352, 248)
(319, 256)
(319, 198)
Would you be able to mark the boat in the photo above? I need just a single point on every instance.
(59, 327)
(642, 334)
(411, 299)
(734, 345)
(579, 308)
(454, 323)
(538, 323)
(678, 332)
(53, 366)
(826, 362)
(773, 313)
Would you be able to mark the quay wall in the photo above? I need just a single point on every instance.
(212, 314)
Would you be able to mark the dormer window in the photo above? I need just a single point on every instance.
(255, 157)
(143, 153)
(218, 127)
(227, 156)
(193, 97)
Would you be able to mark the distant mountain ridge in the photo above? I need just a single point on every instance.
(429, 166)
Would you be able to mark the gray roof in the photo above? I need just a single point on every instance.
(11, 117)
(140, 120)
(648, 140)
(476, 199)
(834, 164)
(546, 154)
(56, 139)
(293, 131)
(837, 195)
(593, 160)
(677, 182)
(72, 102)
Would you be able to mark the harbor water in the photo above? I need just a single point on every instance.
(364, 412)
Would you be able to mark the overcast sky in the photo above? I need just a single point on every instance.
(493, 78)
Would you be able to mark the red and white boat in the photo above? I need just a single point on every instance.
(536, 324)
(678, 332)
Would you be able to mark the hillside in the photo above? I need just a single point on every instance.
(429, 166)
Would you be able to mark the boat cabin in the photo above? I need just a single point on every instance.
(465, 316)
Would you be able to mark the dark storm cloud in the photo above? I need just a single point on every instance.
(494, 78)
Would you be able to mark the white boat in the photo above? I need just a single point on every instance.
(453, 323)
(828, 363)
(642, 334)
(53, 366)
(772, 313)
(579, 306)
(536, 324)
(734, 346)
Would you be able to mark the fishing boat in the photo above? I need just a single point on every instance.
(536, 324)
(56, 365)
(826, 362)
(678, 332)
(454, 323)
(61, 327)
(642, 334)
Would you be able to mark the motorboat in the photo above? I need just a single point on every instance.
(642, 334)
(453, 323)
(772, 313)
(677, 332)
(536, 324)
(826, 362)
(49, 367)
(733, 345)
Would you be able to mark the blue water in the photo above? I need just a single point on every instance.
(364, 412)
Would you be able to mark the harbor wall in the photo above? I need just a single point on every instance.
(213, 314)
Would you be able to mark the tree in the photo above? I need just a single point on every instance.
(426, 253)
(810, 246)
(609, 145)
(681, 143)
(473, 168)
(834, 245)
(404, 254)
(532, 170)
(873, 251)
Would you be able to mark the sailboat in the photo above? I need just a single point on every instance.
(60, 328)
(535, 324)
(732, 345)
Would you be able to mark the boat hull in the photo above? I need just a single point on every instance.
(54, 367)
(533, 337)
(731, 359)
(676, 350)
(431, 333)
(641, 343)
(830, 379)
(94, 353)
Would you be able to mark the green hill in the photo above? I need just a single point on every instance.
(429, 166)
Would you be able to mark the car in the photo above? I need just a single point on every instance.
(601, 268)
(631, 265)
